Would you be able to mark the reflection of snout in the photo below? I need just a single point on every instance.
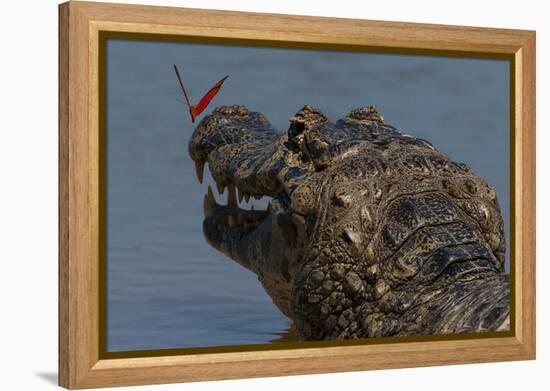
(229, 229)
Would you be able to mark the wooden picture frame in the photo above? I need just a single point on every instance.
(82, 25)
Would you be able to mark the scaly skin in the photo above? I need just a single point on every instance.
(370, 232)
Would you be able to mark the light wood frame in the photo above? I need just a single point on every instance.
(80, 26)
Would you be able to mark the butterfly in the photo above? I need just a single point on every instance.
(205, 100)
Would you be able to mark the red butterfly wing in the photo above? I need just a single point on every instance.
(205, 100)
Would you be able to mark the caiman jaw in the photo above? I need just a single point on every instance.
(230, 218)
(234, 230)
(247, 170)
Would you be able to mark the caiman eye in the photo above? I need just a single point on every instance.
(305, 137)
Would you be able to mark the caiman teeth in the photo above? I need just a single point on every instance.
(220, 186)
(239, 191)
(231, 195)
(209, 203)
(199, 169)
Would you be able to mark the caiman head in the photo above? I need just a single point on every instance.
(369, 232)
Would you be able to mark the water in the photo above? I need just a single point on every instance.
(166, 287)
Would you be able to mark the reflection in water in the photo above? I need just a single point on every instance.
(288, 335)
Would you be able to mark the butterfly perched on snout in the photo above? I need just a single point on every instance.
(195, 111)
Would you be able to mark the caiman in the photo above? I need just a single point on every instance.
(370, 232)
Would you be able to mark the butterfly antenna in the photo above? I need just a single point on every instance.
(181, 86)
